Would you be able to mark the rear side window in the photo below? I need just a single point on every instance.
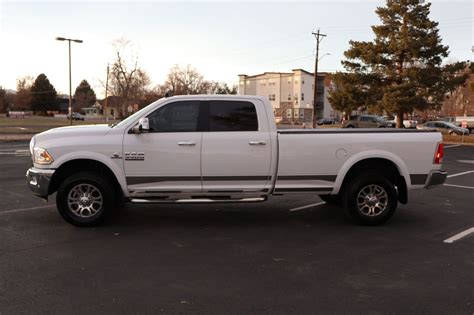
(179, 116)
(232, 116)
(365, 118)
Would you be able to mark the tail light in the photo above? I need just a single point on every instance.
(438, 158)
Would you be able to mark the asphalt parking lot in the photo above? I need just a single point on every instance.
(237, 259)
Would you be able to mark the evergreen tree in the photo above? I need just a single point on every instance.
(44, 96)
(84, 96)
(400, 70)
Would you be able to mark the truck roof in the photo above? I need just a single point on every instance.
(218, 96)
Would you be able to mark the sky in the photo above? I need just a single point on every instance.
(221, 39)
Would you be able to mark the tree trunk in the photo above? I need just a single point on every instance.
(400, 119)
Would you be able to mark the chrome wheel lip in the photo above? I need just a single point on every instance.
(85, 200)
(372, 200)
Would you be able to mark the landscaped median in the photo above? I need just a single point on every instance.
(22, 129)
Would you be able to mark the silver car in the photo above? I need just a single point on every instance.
(444, 127)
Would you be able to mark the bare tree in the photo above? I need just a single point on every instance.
(184, 81)
(23, 98)
(128, 81)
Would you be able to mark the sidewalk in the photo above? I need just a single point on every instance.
(15, 137)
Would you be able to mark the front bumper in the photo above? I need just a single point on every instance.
(38, 181)
(436, 178)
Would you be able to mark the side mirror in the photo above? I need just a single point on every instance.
(142, 126)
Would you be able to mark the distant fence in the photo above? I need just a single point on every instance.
(18, 114)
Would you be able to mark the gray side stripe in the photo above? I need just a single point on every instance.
(134, 180)
(282, 190)
(330, 178)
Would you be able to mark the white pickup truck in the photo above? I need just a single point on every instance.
(195, 149)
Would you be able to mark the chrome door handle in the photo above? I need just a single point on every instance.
(260, 142)
(187, 143)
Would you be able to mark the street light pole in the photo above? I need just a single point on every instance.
(70, 75)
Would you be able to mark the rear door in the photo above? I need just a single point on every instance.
(236, 148)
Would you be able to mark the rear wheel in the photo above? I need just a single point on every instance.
(85, 199)
(370, 199)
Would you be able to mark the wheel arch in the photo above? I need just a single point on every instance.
(385, 162)
(80, 163)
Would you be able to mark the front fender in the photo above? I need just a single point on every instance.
(115, 165)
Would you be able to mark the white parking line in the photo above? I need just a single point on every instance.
(25, 209)
(466, 161)
(458, 186)
(308, 206)
(452, 146)
(459, 174)
(459, 236)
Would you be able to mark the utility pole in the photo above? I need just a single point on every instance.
(70, 83)
(319, 38)
(106, 90)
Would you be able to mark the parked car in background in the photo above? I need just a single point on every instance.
(390, 121)
(326, 121)
(76, 116)
(366, 121)
(407, 123)
(443, 126)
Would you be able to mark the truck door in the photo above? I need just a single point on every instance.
(167, 159)
(236, 148)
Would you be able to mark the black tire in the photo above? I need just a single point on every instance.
(331, 199)
(370, 212)
(81, 183)
(350, 126)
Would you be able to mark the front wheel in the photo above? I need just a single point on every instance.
(370, 199)
(85, 199)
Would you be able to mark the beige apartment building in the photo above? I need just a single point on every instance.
(291, 94)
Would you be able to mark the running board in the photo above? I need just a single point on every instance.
(198, 200)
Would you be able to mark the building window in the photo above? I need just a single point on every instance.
(296, 81)
(289, 81)
(302, 81)
(289, 97)
(271, 97)
(271, 82)
(301, 113)
(288, 113)
(302, 96)
(263, 82)
(241, 83)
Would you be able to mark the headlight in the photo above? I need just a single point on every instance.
(41, 156)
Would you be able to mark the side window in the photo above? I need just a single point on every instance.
(232, 116)
(364, 118)
(179, 116)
